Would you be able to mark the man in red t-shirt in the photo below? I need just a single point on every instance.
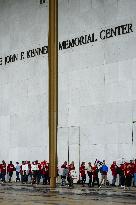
(114, 172)
(95, 172)
(128, 175)
(44, 171)
(82, 172)
(121, 172)
(10, 170)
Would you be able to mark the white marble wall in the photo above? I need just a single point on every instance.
(97, 81)
(23, 84)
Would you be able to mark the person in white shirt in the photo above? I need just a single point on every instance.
(90, 173)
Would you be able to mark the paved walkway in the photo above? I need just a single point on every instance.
(76, 190)
(18, 194)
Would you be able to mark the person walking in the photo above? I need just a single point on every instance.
(121, 173)
(104, 171)
(114, 172)
(34, 168)
(95, 171)
(10, 170)
(89, 172)
(128, 175)
(3, 171)
(83, 174)
(64, 173)
(71, 167)
(44, 171)
(17, 168)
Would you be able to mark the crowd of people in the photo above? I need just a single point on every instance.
(35, 171)
(126, 173)
(26, 172)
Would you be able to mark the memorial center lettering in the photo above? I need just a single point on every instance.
(78, 41)
(119, 30)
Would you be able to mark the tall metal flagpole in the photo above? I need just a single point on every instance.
(53, 89)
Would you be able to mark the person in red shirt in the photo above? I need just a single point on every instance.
(10, 170)
(132, 169)
(3, 171)
(44, 172)
(128, 175)
(95, 171)
(114, 172)
(69, 178)
(121, 172)
(38, 177)
(82, 172)
(43, 163)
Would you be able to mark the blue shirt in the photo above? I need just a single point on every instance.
(104, 168)
(17, 168)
